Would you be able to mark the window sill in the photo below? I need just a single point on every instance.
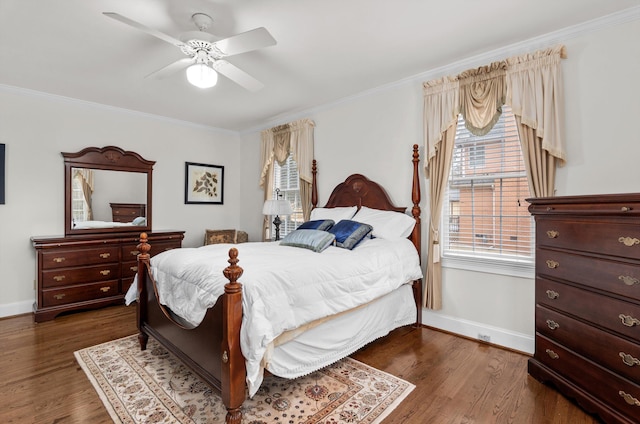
(514, 268)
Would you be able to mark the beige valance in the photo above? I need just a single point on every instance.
(482, 94)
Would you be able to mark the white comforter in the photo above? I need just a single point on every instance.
(283, 287)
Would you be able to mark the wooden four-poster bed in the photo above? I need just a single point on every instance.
(212, 349)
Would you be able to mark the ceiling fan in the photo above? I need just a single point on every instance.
(206, 55)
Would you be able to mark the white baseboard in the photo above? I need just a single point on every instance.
(497, 336)
(18, 308)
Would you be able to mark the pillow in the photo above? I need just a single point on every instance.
(349, 233)
(315, 240)
(386, 224)
(141, 220)
(335, 214)
(318, 224)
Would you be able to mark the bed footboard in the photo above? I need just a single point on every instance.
(212, 349)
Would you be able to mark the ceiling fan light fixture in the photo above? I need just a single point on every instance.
(201, 75)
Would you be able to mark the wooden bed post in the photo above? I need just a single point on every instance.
(143, 264)
(233, 363)
(415, 198)
(417, 231)
(314, 185)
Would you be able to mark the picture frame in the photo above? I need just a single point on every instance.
(203, 184)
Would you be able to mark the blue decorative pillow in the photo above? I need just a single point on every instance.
(349, 233)
(318, 224)
(315, 240)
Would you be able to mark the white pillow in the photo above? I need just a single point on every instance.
(333, 213)
(386, 224)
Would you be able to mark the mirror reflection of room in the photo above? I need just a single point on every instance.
(107, 198)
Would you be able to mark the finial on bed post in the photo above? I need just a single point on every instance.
(314, 185)
(233, 364)
(143, 262)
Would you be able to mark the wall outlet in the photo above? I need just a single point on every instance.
(484, 337)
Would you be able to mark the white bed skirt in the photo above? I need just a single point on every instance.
(340, 337)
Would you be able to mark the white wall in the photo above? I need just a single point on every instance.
(373, 133)
(370, 134)
(36, 128)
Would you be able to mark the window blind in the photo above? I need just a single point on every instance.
(485, 212)
(286, 179)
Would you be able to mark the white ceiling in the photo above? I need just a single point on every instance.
(326, 49)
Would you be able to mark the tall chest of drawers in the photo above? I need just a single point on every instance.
(587, 312)
(87, 272)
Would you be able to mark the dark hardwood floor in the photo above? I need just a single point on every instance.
(457, 380)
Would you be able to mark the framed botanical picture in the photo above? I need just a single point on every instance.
(203, 183)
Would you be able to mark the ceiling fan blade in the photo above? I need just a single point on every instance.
(164, 37)
(237, 75)
(244, 42)
(172, 68)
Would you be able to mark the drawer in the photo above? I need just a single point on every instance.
(608, 350)
(620, 394)
(130, 251)
(603, 237)
(77, 257)
(86, 274)
(613, 314)
(79, 293)
(129, 269)
(126, 283)
(609, 275)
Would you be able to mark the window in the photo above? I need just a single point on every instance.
(285, 178)
(79, 207)
(485, 214)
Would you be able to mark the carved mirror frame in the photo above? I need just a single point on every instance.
(106, 158)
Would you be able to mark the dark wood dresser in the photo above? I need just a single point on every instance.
(89, 271)
(127, 212)
(587, 293)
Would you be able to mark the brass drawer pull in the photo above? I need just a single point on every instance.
(105, 289)
(552, 264)
(553, 234)
(629, 399)
(58, 278)
(552, 354)
(134, 268)
(628, 241)
(628, 320)
(134, 252)
(59, 296)
(552, 294)
(225, 356)
(628, 280)
(58, 260)
(552, 324)
(105, 272)
(105, 255)
(628, 359)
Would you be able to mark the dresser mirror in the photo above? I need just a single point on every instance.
(107, 190)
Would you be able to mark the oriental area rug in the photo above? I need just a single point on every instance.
(153, 386)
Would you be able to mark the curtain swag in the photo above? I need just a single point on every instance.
(531, 84)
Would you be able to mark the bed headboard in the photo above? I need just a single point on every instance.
(358, 190)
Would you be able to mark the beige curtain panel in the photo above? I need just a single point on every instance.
(296, 139)
(532, 85)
